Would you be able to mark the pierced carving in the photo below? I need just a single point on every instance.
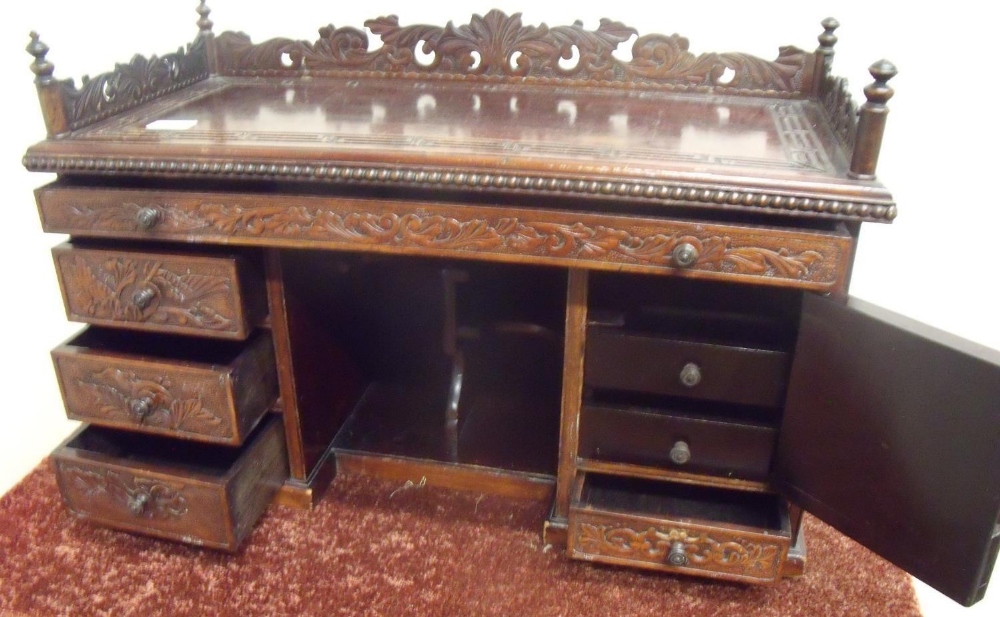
(733, 554)
(128, 85)
(500, 46)
(143, 497)
(125, 396)
(128, 290)
(841, 110)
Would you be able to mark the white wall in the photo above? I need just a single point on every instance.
(936, 263)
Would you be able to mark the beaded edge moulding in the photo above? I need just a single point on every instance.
(494, 48)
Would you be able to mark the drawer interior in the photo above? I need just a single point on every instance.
(180, 457)
(755, 317)
(165, 347)
(674, 501)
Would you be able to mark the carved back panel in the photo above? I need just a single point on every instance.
(500, 48)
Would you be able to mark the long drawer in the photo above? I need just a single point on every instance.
(206, 295)
(666, 365)
(731, 448)
(816, 258)
(680, 529)
(194, 493)
(212, 391)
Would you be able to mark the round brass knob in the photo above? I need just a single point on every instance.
(678, 556)
(140, 407)
(680, 453)
(144, 297)
(137, 503)
(685, 255)
(690, 375)
(147, 218)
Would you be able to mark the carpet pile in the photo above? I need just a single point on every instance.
(370, 548)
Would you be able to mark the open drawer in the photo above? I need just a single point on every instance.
(694, 530)
(191, 492)
(203, 390)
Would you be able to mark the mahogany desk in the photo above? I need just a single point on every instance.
(496, 257)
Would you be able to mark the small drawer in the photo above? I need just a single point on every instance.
(678, 528)
(650, 363)
(205, 295)
(194, 493)
(697, 444)
(212, 391)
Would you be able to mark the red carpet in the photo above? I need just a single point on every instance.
(366, 550)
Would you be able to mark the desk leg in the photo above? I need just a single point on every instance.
(572, 396)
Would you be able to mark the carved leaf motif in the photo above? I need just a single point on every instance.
(106, 290)
(658, 60)
(162, 500)
(135, 82)
(746, 557)
(115, 390)
(524, 237)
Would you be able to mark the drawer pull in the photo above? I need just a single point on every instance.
(137, 503)
(678, 556)
(147, 218)
(140, 407)
(690, 375)
(685, 255)
(144, 297)
(680, 453)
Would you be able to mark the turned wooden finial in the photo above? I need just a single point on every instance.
(204, 23)
(871, 120)
(41, 67)
(879, 92)
(828, 39)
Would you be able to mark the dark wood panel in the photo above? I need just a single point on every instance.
(891, 433)
(618, 359)
(645, 437)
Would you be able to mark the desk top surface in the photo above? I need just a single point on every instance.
(604, 142)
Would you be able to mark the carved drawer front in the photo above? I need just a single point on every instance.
(699, 531)
(194, 493)
(661, 364)
(721, 446)
(213, 391)
(816, 258)
(215, 296)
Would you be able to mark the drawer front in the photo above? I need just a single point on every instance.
(180, 502)
(804, 259)
(650, 364)
(203, 402)
(711, 532)
(160, 292)
(678, 547)
(682, 443)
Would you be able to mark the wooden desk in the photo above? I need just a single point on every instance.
(386, 233)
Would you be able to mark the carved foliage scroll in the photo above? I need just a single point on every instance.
(510, 234)
(122, 289)
(141, 79)
(498, 46)
(704, 550)
(122, 395)
(621, 242)
(142, 497)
